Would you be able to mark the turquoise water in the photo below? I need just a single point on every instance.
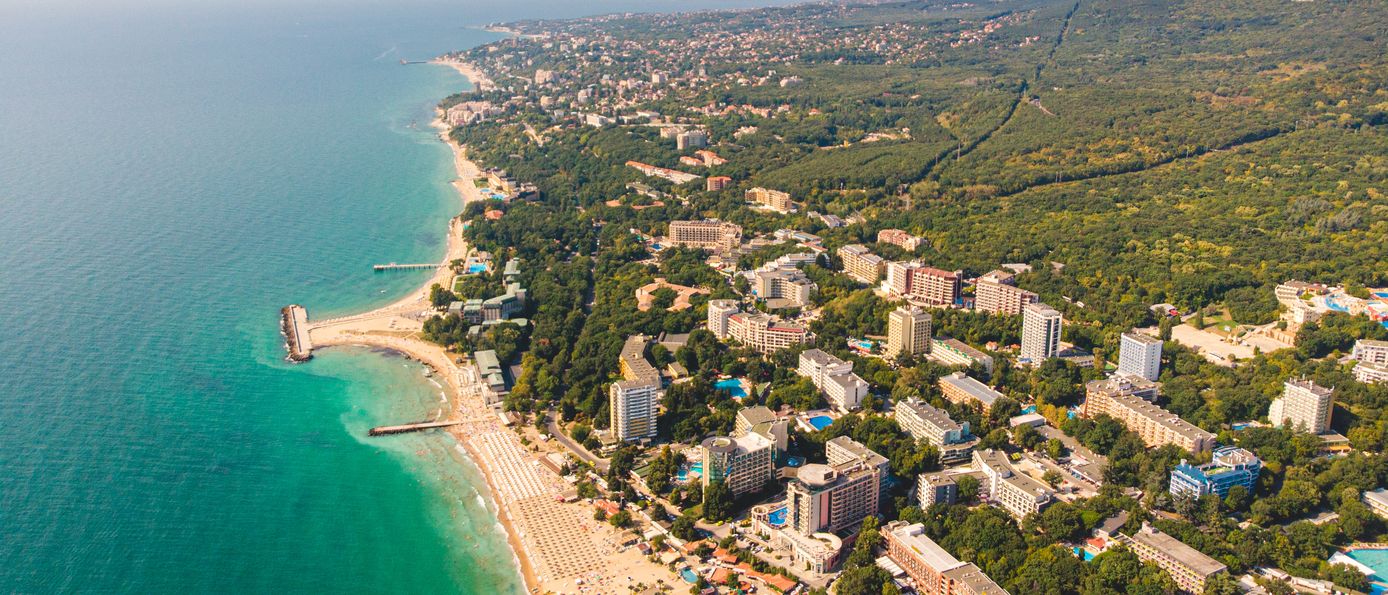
(777, 518)
(1375, 559)
(171, 174)
(689, 576)
(732, 386)
(821, 421)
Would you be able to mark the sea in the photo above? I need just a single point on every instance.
(171, 174)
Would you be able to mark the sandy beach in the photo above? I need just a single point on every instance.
(555, 544)
(479, 79)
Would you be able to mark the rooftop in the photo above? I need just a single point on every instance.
(931, 415)
(974, 388)
(1175, 548)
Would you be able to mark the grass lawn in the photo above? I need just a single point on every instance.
(1215, 323)
(479, 182)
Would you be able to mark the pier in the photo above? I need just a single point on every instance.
(414, 427)
(294, 325)
(404, 267)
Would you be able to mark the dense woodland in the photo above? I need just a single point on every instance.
(1196, 153)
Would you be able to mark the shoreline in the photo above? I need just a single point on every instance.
(396, 327)
(555, 544)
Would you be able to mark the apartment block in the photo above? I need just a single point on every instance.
(743, 463)
(932, 570)
(1017, 493)
(1370, 373)
(1229, 466)
(691, 139)
(900, 238)
(765, 334)
(1189, 568)
(719, 312)
(953, 352)
(1377, 501)
(761, 420)
(1041, 326)
(935, 287)
(831, 498)
(709, 234)
(934, 489)
(1156, 426)
(1139, 355)
(791, 286)
(775, 199)
(962, 389)
(908, 331)
(1370, 351)
(633, 407)
(1303, 406)
(997, 293)
(924, 422)
(861, 264)
(716, 183)
(834, 377)
(844, 450)
(633, 364)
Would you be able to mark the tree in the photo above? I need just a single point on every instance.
(864, 580)
(863, 549)
(620, 520)
(967, 486)
(718, 501)
(683, 527)
(440, 297)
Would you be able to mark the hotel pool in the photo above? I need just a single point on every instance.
(777, 518)
(795, 461)
(476, 268)
(683, 473)
(732, 386)
(1375, 560)
(1381, 295)
(820, 421)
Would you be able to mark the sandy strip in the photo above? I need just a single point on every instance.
(480, 81)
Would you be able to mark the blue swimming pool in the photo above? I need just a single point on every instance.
(795, 461)
(1028, 409)
(820, 421)
(683, 473)
(1083, 553)
(1381, 295)
(777, 518)
(689, 576)
(476, 268)
(1376, 560)
(732, 386)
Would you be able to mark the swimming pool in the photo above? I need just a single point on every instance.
(1375, 560)
(732, 386)
(689, 576)
(795, 461)
(1382, 295)
(820, 421)
(1029, 409)
(683, 474)
(1083, 553)
(476, 268)
(777, 518)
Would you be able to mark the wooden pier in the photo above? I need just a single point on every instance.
(414, 427)
(294, 325)
(404, 267)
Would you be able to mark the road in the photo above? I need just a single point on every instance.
(558, 433)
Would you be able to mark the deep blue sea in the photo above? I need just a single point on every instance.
(170, 176)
